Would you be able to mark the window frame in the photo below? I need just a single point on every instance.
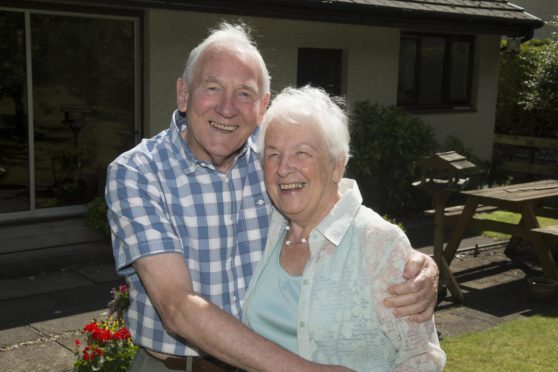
(446, 103)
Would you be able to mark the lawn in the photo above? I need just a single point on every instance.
(509, 217)
(526, 344)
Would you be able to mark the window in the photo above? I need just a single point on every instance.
(321, 68)
(68, 106)
(435, 71)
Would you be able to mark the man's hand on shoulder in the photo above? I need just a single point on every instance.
(417, 296)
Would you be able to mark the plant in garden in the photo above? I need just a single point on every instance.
(528, 87)
(386, 143)
(109, 343)
(540, 91)
(96, 216)
(120, 301)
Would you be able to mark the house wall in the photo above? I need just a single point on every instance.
(370, 66)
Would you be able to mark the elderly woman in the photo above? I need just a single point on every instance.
(329, 260)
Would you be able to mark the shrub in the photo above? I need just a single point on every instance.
(528, 88)
(96, 216)
(386, 143)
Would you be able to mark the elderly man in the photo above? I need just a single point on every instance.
(189, 217)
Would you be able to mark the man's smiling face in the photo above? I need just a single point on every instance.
(224, 105)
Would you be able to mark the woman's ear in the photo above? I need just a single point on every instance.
(181, 95)
(338, 170)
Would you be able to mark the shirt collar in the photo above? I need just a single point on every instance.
(338, 221)
(179, 124)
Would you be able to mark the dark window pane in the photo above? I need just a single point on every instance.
(320, 67)
(432, 70)
(406, 90)
(83, 102)
(14, 144)
(459, 71)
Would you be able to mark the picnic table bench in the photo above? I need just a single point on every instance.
(527, 200)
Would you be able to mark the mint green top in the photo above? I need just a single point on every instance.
(355, 255)
(273, 308)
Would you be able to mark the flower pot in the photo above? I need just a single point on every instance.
(542, 289)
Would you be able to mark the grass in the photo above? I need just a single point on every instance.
(526, 344)
(509, 217)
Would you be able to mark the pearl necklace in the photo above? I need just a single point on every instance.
(301, 241)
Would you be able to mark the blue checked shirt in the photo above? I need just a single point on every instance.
(162, 199)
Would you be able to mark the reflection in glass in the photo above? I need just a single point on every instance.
(14, 144)
(432, 70)
(83, 102)
(459, 73)
(406, 91)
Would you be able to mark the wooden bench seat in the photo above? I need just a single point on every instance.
(457, 209)
(548, 231)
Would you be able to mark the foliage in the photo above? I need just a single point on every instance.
(528, 88)
(386, 143)
(96, 216)
(507, 347)
(109, 344)
(540, 87)
(120, 301)
(394, 221)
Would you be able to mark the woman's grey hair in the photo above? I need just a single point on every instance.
(229, 37)
(310, 105)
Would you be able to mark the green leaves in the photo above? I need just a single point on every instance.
(386, 143)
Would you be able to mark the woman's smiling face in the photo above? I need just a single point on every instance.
(300, 175)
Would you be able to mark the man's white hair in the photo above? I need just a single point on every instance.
(229, 37)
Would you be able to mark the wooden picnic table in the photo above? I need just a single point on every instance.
(527, 199)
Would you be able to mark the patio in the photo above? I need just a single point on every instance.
(41, 315)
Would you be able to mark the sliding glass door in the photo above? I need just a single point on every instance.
(68, 106)
(14, 134)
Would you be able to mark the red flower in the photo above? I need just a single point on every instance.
(122, 334)
(78, 342)
(87, 353)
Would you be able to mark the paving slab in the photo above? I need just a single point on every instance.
(68, 323)
(39, 357)
(31, 307)
(459, 321)
(16, 333)
(97, 273)
(41, 283)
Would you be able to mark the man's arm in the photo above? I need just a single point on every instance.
(184, 313)
(417, 296)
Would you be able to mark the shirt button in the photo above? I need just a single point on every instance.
(305, 282)
(302, 324)
(260, 202)
(203, 164)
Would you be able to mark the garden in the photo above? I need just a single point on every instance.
(387, 142)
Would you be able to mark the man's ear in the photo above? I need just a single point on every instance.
(181, 95)
(263, 106)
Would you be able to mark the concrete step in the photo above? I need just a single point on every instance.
(28, 236)
(33, 247)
